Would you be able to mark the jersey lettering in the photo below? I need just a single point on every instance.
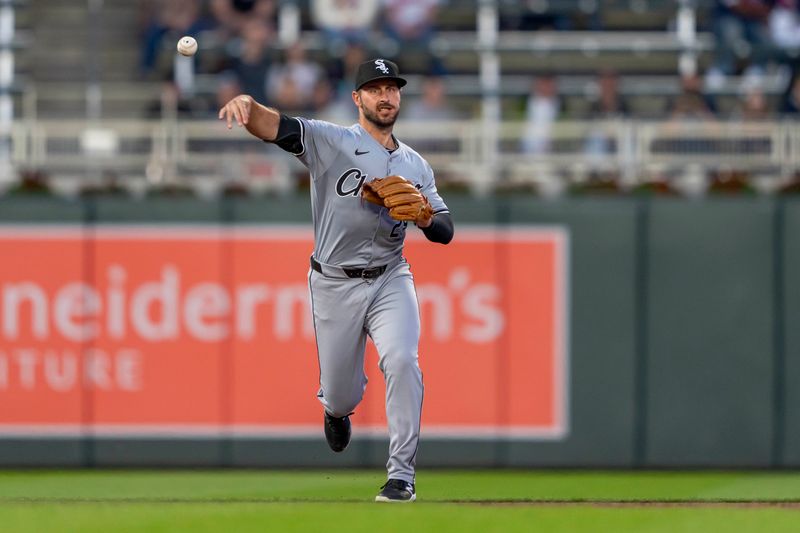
(401, 224)
(353, 179)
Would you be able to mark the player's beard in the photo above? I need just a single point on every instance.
(382, 123)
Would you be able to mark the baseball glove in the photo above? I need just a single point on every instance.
(399, 196)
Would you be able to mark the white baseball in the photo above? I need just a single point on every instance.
(187, 46)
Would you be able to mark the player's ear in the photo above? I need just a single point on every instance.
(356, 98)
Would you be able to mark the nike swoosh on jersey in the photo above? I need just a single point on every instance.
(361, 153)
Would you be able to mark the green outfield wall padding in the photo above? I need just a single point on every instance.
(715, 389)
(41, 452)
(601, 338)
(710, 344)
(40, 210)
(791, 328)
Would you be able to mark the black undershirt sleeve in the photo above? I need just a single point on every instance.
(290, 135)
(441, 230)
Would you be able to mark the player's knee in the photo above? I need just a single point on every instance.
(402, 364)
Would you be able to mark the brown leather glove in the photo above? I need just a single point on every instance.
(399, 196)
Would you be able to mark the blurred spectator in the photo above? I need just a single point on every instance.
(687, 109)
(411, 23)
(344, 21)
(410, 20)
(341, 110)
(784, 23)
(322, 96)
(233, 15)
(740, 32)
(531, 17)
(784, 28)
(322, 99)
(609, 105)
(433, 104)
(291, 85)
(539, 15)
(753, 106)
(691, 104)
(343, 69)
(250, 60)
(790, 104)
(169, 19)
(542, 108)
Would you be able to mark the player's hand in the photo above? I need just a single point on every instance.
(425, 215)
(237, 109)
(426, 219)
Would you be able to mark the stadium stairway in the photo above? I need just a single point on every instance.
(61, 57)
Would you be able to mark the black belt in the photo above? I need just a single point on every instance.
(366, 273)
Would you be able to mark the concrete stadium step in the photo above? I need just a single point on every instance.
(77, 111)
(119, 99)
(61, 51)
(58, 15)
(72, 36)
(71, 64)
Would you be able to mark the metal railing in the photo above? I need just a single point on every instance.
(205, 156)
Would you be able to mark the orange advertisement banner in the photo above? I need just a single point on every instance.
(205, 330)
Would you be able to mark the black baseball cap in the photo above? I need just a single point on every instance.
(378, 69)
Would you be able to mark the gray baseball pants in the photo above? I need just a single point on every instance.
(345, 311)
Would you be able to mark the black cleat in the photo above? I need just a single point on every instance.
(337, 432)
(397, 491)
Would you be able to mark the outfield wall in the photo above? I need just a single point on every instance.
(678, 348)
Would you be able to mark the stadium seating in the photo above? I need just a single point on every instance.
(85, 65)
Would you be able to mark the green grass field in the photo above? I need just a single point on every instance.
(341, 500)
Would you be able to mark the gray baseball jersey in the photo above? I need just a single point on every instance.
(347, 231)
(352, 233)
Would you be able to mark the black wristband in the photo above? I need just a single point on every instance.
(441, 229)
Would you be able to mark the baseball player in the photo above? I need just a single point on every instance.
(359, 282)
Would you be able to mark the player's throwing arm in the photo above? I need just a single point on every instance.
(259, 120)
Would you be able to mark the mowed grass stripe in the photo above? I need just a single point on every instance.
(198, 517)
(259, 486)
(341, 500)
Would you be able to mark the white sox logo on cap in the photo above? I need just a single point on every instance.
(380, 65)
(375, 69)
